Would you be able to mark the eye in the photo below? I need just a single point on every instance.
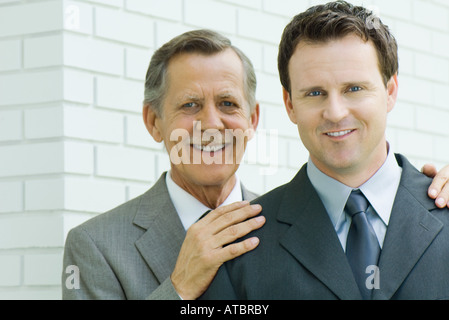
(314, 93)
(189, 105)
(227, 104)
(355, 89)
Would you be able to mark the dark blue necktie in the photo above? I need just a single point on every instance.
(362, 247)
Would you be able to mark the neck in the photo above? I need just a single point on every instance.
(211, 196)
(356, 174)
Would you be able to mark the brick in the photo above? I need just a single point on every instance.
(120, 94)
(124, 27)
(45, 194)
(44, 123)
(10, 55)
(40, 87)
(78, 86)
(440, 44)
(11, 196)
(165, 31)
(407, 33)
(31, 159)
(78, 17)
(88, 195)
(269, 89)
(211, 14)
(10, 125)
(432, 120)
(42, 269)
(289, 8)
(441, 148)
(432, 68)
(414, 144)
(137, 62)
(414, 90)
(93, 124)
(440, 95)
(125, 163)
(278, 120)
(431, 15)
(78, 158)
(43, 51)
(90, 54)
(261, 26)
(403, 116)
(138, 135)
(11, 270)
(114, 3)
(31, 231)
(254, 4)
(31, 18)
(171, 10)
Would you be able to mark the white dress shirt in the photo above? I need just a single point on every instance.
(189, 208)
(380, 190)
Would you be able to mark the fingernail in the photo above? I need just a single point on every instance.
(256, 206)
(254, 241)
(440, 202)
(433, 193)
(260, 219)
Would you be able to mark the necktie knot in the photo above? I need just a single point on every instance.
(356, 203)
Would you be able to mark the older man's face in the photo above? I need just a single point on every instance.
(204, 107)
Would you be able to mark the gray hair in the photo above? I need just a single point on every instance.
(199, 41)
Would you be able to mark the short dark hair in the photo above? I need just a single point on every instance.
(202, 41)
(336, 20)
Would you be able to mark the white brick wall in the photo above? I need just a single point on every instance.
(72, 141)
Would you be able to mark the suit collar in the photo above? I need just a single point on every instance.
(312, 240)
(162, 241)
(160, 244)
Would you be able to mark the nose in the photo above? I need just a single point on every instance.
(335, 108)
(210, 117)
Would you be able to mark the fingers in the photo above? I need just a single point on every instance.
(439, 189)
(429, 170)
(237, 249)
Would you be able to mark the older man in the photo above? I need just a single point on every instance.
(200, 101)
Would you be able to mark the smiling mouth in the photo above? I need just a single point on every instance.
(209, 147)
(339, 133)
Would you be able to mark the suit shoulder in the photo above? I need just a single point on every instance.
(112, 222)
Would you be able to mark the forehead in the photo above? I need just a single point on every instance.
(194, 71)
(344, 59)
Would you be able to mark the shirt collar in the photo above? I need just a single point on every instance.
(189, 208)
(380, 190)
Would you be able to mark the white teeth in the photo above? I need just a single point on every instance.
(338, 134)
(209, 148)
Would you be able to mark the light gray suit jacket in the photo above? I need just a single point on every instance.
(300, 255)
(128, 252)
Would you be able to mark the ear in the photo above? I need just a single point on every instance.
(392, 92)
(151, 120)
(289, 106)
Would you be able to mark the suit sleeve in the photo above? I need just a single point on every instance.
(165, 291)
(95, 278)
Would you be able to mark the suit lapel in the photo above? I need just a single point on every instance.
(160, 244)
(411, 230)
(312, 239)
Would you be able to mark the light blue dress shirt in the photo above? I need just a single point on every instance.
(380, 190)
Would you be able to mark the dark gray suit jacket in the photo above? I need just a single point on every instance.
(130, 251)
(300, 256)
